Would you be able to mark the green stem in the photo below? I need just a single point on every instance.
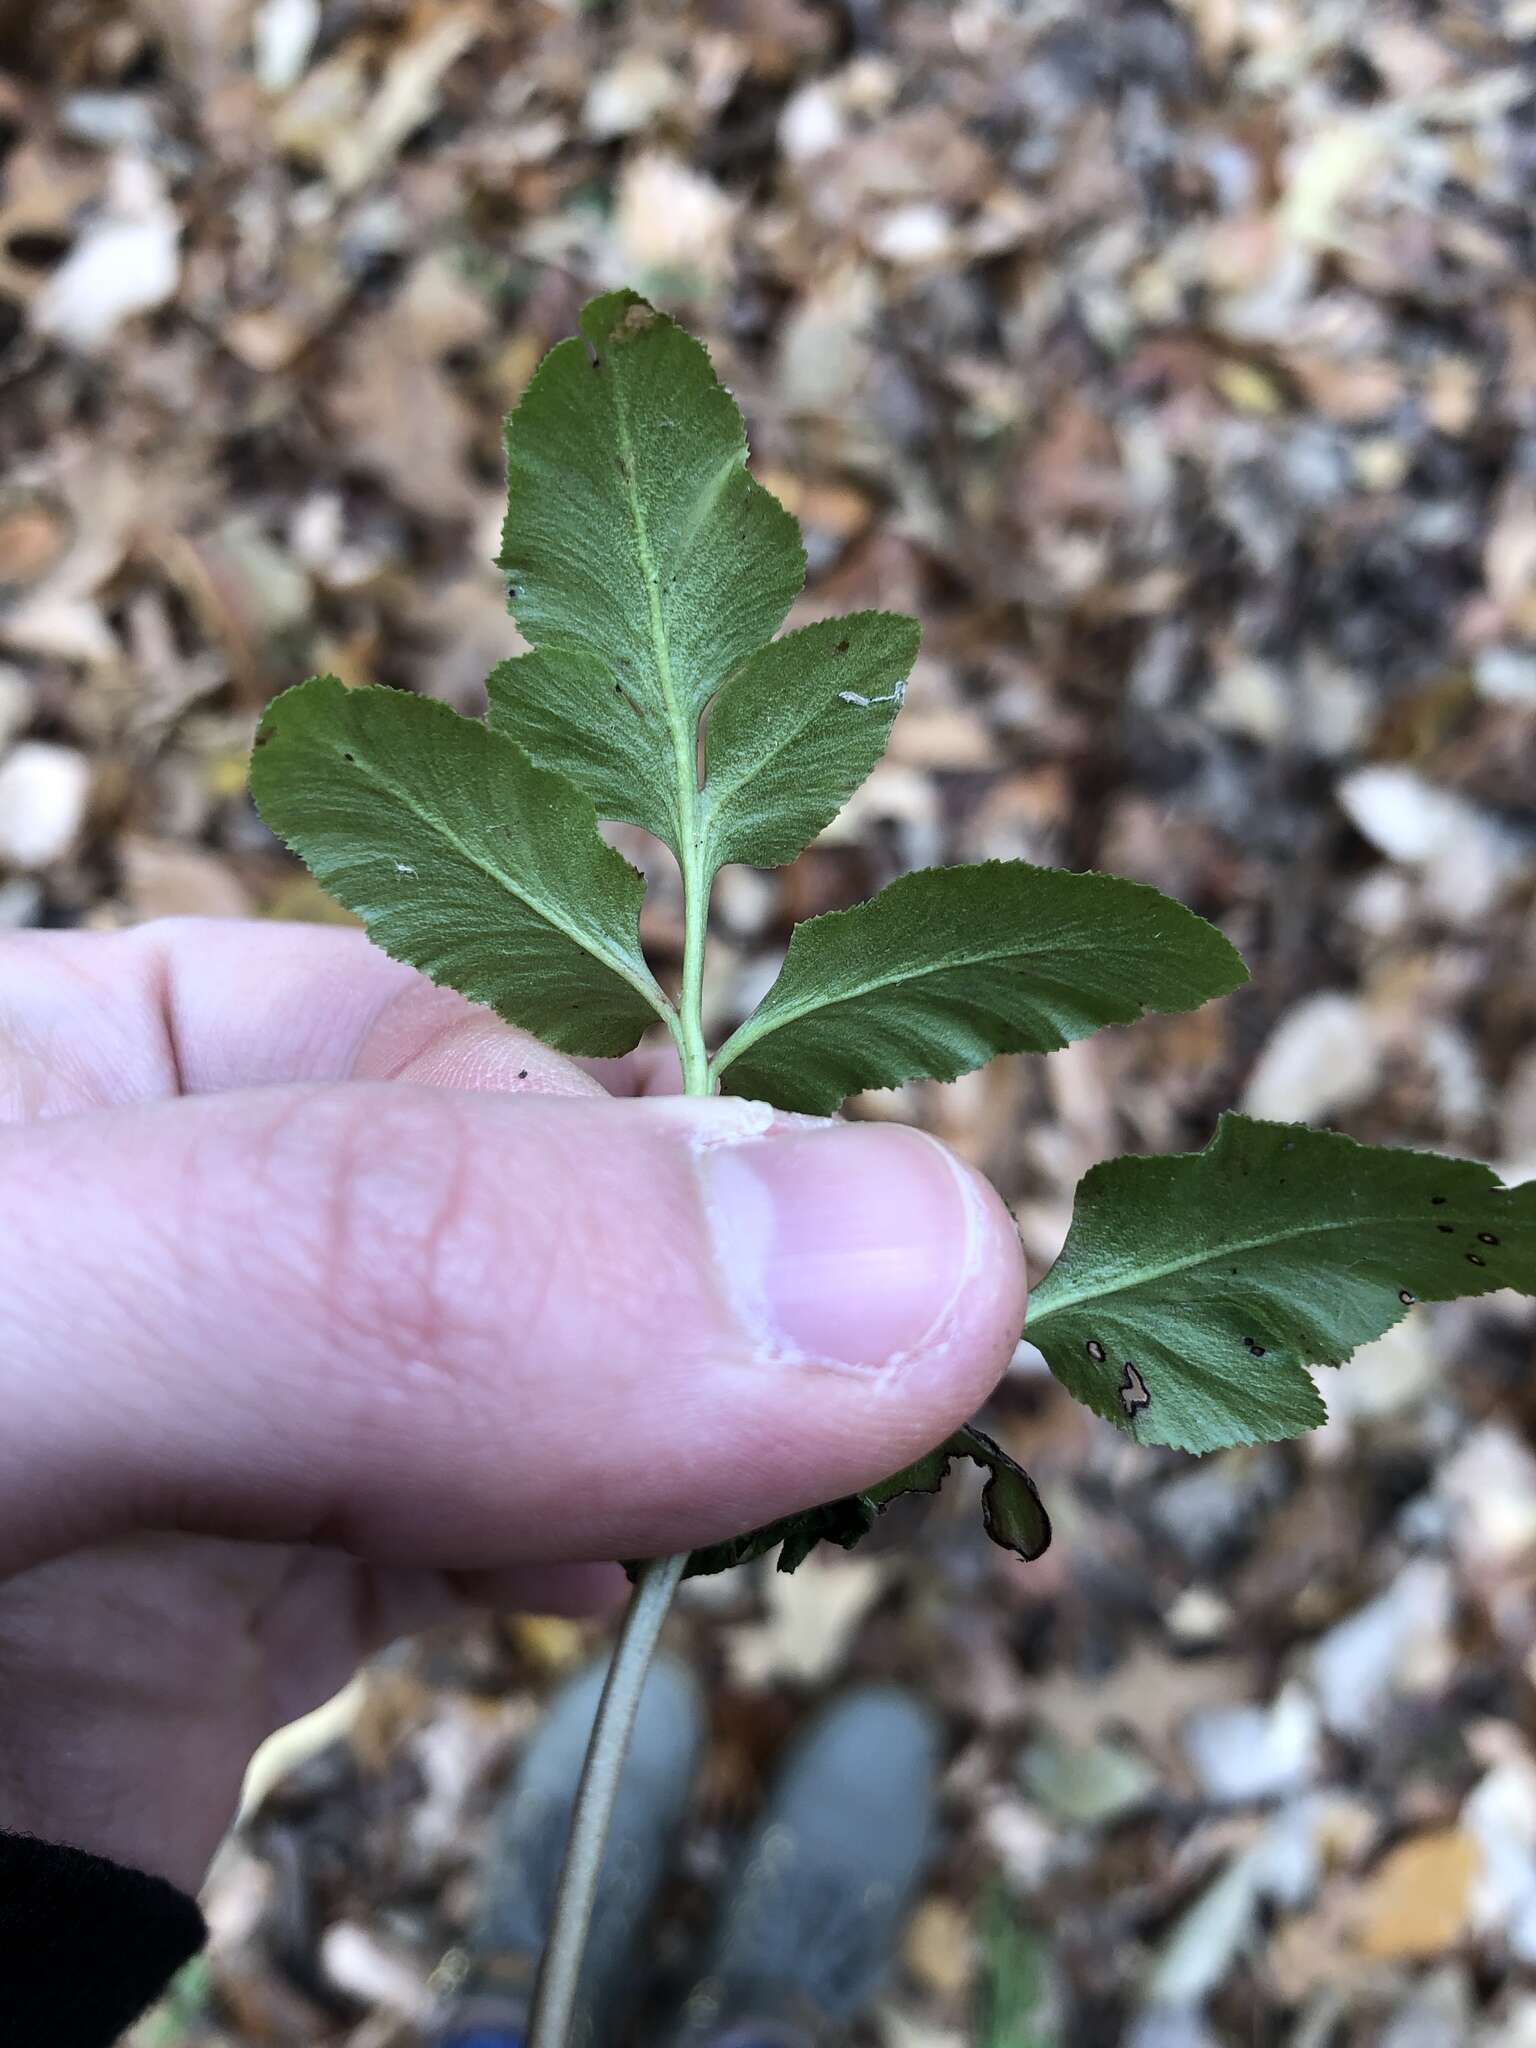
(697, 1079)
(554, 1998)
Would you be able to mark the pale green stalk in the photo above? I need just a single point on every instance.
(554, 1998)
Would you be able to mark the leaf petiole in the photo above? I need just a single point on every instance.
(559, 1979)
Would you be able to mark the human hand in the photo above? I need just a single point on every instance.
(328, 1304)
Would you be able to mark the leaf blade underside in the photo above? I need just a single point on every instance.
(462, 858)
(645, 563)
(795, 731)
(1194, 1290)
(948, 967)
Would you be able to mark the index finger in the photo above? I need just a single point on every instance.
(200, 1005)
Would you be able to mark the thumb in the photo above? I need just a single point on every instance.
(465, 1331)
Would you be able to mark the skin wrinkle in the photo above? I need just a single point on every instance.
(378, 1308)
(567, 1237)
(346, 1302)
(437, 1277)
(387, 1309)
(454, 1019)
(298, 1291)
(321, 1010)
(417, 1292)
(397, 990)
(121, 1060)
(162, 996)
(376, 1304)
(111, 1300)
(541, 1277)
(290, 1113)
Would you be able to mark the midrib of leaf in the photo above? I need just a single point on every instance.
(400, 793)
(689, 1028)
(1222, 1251)
(660, 647)
(767, 1023)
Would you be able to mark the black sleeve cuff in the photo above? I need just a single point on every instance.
(85, 1945)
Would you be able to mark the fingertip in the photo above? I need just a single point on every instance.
(870, 1246)
(434, 1038)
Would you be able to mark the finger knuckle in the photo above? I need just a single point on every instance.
(393, 1237)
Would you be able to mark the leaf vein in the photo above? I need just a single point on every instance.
(401, 793)
(1236, 1247)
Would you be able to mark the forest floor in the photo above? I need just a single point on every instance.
(1175, 362)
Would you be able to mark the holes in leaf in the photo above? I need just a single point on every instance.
(1446, 1229)
(1254, 1347)
(1134, 1393)
(1406, 1296)
(1474, 1260)
(1486, 1237)
(1096, 1351)
(1437, 1201)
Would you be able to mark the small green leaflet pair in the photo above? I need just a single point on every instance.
(649, 573)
